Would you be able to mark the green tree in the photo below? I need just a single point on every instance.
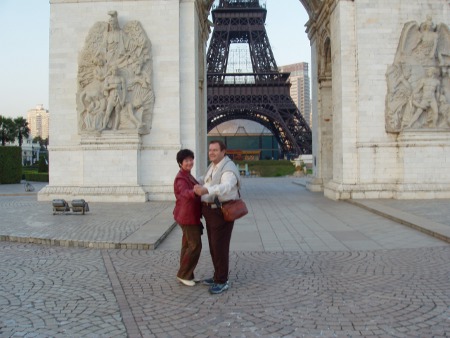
(6, 130)
(42, 142)
(21, 129)
(39, 140)
(42, 165)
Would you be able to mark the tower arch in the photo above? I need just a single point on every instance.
(262, 95)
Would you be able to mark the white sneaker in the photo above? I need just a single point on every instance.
(186, 282)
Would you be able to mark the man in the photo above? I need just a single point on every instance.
(220, 185)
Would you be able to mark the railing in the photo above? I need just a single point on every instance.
(274, 78)
(239, 4)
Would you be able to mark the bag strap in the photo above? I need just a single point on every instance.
(219, 204)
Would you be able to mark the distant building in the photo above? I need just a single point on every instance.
(246, 140)
(30, 150)
(38, 121)
(300, 87)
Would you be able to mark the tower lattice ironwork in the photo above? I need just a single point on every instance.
(262, 95)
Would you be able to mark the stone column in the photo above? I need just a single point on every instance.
(344, 96)
(121, 108)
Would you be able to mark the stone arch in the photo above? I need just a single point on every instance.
(354, 156)
(315, 22)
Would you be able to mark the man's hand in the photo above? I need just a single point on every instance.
(200, 190)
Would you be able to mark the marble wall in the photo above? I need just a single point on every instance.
(379, 151)
(124, 100)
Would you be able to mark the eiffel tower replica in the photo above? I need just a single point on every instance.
(261, 96)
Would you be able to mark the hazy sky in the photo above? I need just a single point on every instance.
(24, 27)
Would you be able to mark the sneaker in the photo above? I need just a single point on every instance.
(186, 282)
(208, 281)
(218, 288)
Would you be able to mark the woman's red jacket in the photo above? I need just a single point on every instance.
(188, 208)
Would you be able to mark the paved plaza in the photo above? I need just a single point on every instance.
(301, 266)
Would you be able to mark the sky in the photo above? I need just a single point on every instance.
(24, 27)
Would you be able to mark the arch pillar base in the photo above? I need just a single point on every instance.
(314, 184)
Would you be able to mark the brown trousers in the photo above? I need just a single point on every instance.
(219, 237)
(191, 247)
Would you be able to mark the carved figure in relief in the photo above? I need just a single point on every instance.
(444, 110)
(444, 99)
(426, 44)
(427, 41)
(142, 97)
(114, 79)
(91, 97)
(429, 88)
(95, 115)
(445, 83)
(114, 90)
(399, 95)
(113, 42)
(416, 77)
(137, 48)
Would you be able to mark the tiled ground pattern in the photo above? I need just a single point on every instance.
(76, 292)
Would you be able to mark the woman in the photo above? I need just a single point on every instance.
(187, 214)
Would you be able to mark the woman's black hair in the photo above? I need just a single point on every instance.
(183, 154)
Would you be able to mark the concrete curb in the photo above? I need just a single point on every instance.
(69, 243)
(428, 227)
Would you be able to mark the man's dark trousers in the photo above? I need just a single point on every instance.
(219, 236)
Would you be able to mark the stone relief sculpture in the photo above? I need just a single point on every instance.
(418, 82)
(114, 79)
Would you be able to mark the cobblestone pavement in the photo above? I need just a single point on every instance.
(301, 266)
(77, 292)
(104, 224)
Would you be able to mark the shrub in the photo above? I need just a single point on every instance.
(10, 165)
(36, 177)
(269, 168)
(43, 166)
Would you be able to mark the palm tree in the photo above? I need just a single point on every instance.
(6, 130)
(42, 142)
(39, 140)
(21, 129)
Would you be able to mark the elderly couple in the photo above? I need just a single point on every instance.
(203, 197)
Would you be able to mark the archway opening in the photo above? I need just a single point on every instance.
(290, 47)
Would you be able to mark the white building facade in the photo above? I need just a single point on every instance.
(38, 121)
(30, 150)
